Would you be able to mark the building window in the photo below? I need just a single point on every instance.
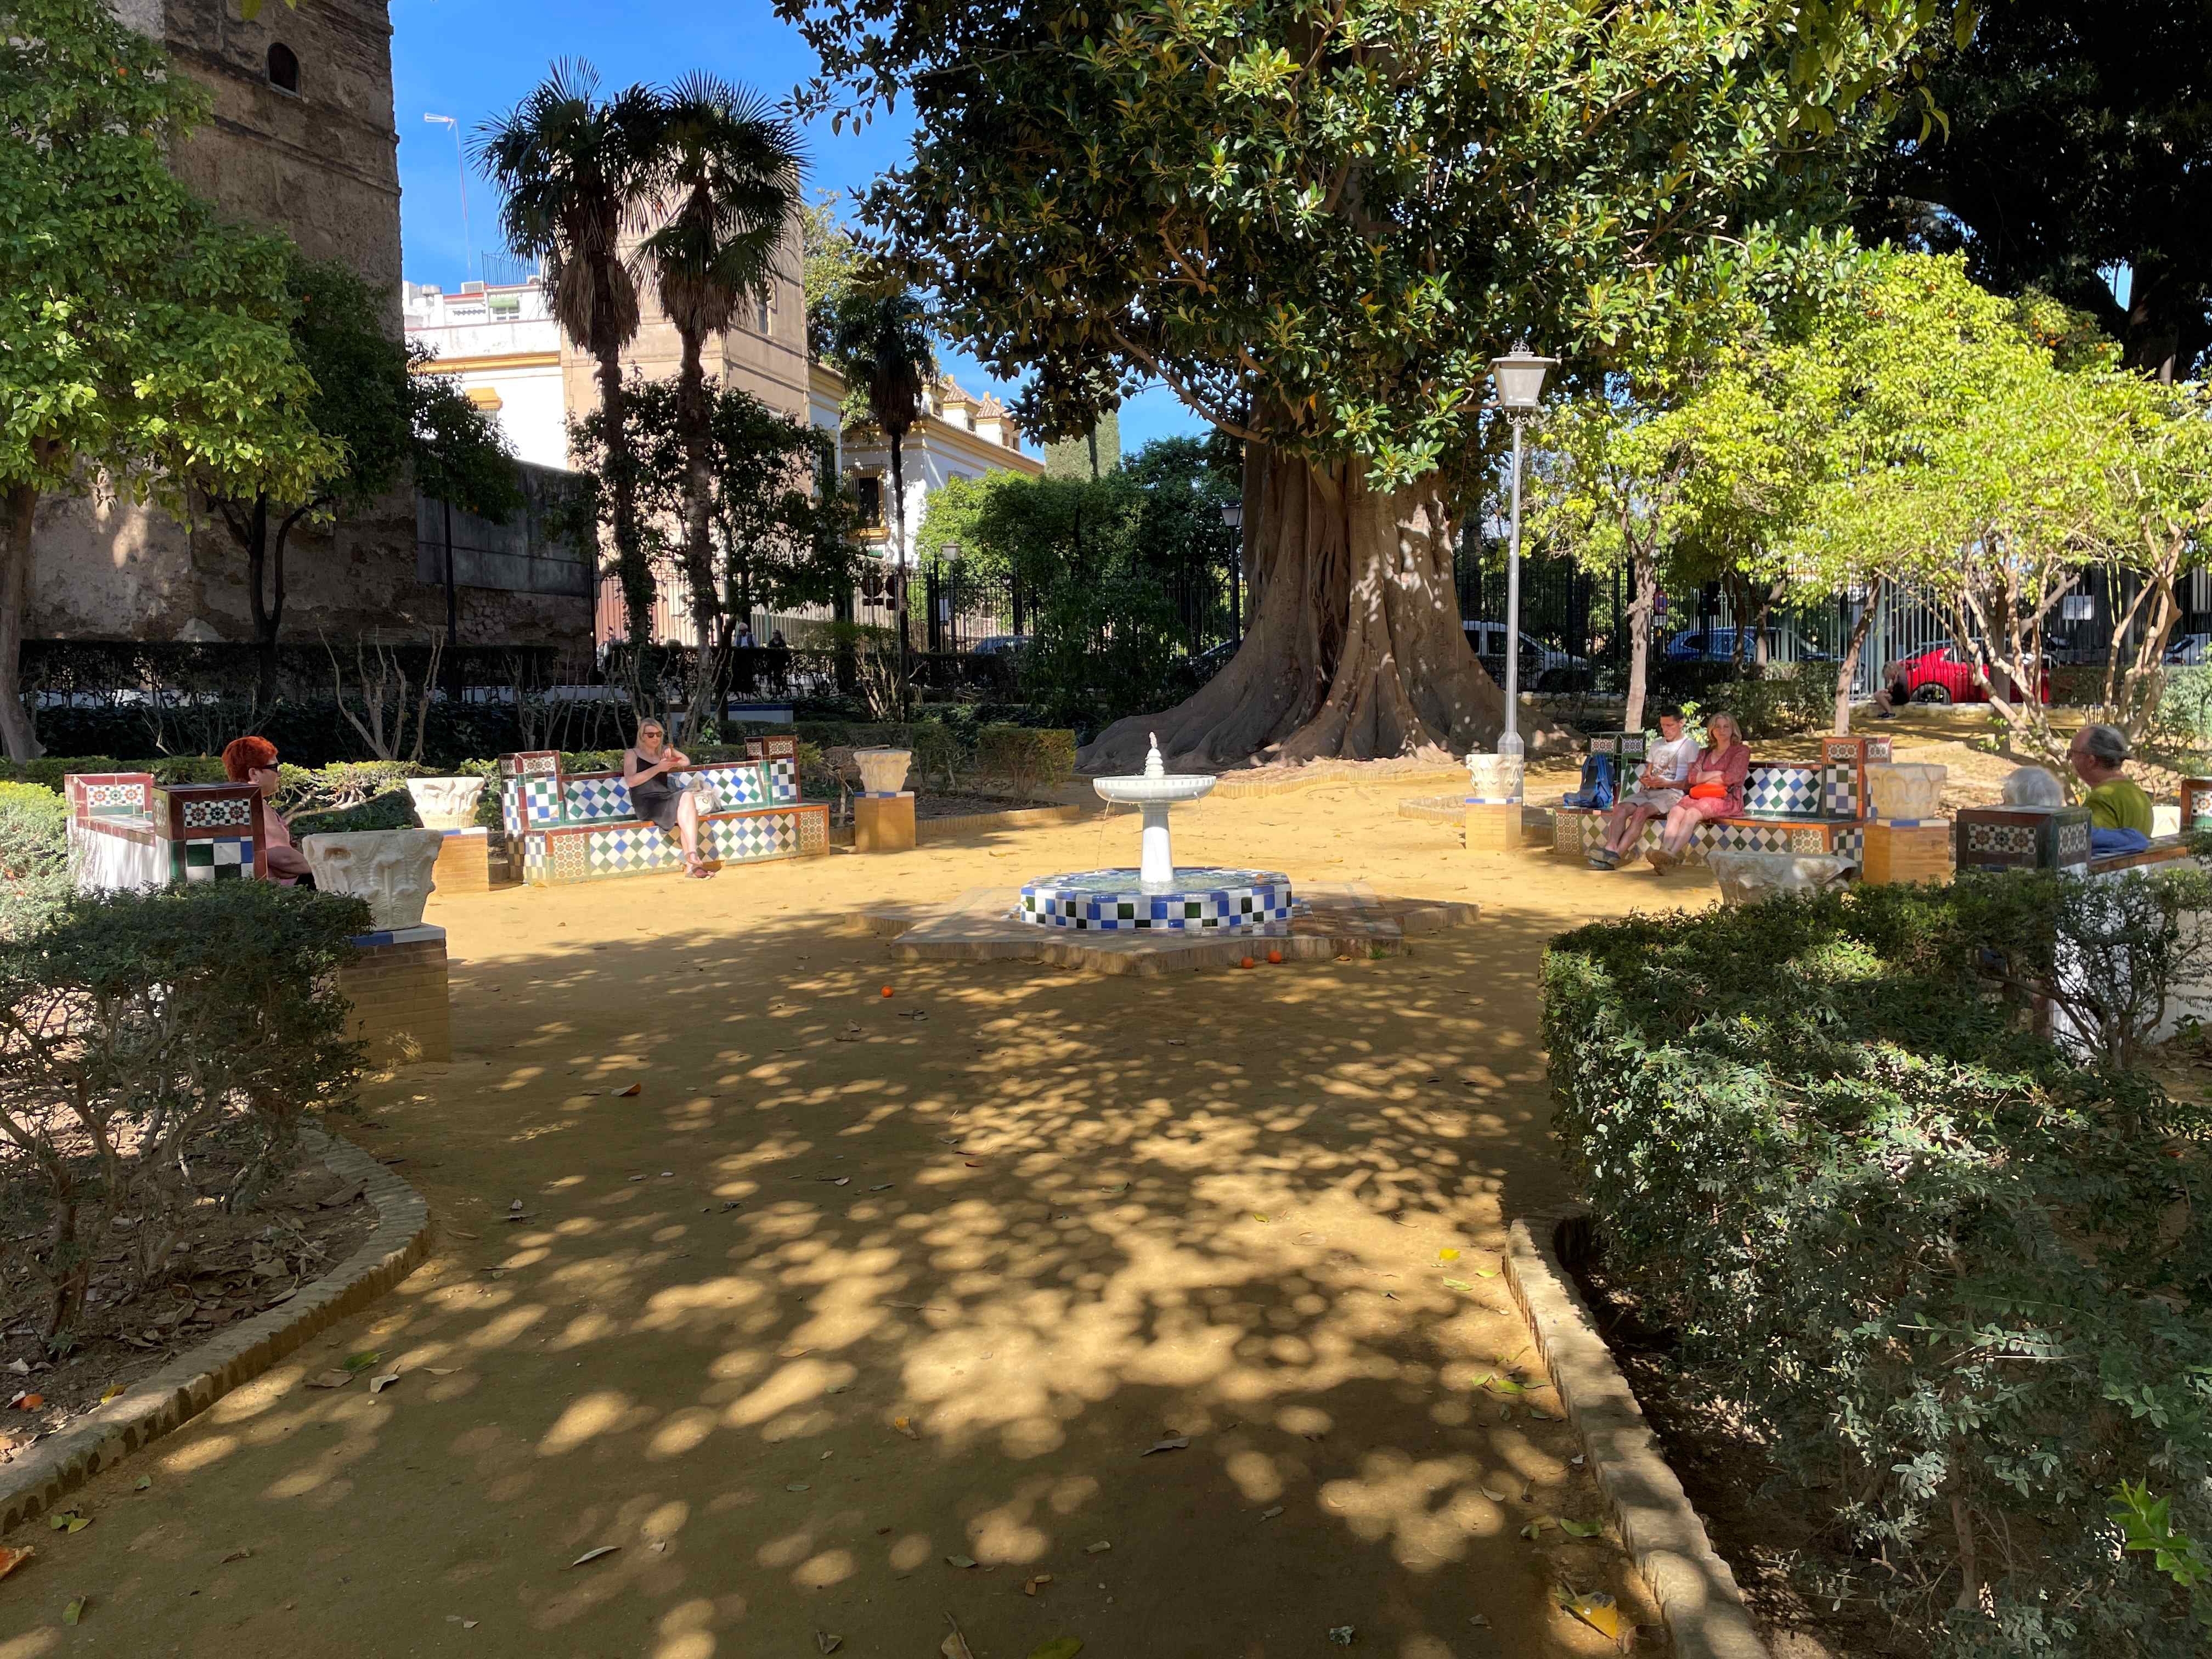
(764, 314)
(284, 68)
(868, 493)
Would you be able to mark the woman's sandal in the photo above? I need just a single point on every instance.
(1605, 859)
(1663, 860)
(698, 873)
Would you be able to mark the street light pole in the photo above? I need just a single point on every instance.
(1520, 374)
(461, 162)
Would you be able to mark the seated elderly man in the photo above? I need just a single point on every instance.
(2119, 811)
(1658, 791)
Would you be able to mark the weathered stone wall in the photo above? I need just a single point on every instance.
(322, 165)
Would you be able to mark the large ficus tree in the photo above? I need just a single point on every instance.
(1316, 221)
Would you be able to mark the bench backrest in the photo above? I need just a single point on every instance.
(535, 793)
(1835, 788)
(126, 831)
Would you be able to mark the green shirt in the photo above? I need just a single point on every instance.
(2118, 804)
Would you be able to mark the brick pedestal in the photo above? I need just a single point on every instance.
(1493, 827)
(464, 862)
(397, 986)
(1907, 852)
(883, 824)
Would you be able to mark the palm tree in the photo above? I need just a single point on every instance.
(880, 342)
(732, 171)
(574, 170)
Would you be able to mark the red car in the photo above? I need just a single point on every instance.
(1943, 676)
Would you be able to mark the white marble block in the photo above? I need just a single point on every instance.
(1752, 878)
(1906, 790)
(390, 868)
(882, 771)
(447, 803)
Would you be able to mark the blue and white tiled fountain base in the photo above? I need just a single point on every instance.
(1203, 899)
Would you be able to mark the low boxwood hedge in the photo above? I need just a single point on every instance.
(1960, 1285)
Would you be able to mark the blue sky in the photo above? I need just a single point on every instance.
(472, 60)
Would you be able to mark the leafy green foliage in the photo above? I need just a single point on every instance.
(34, 874)
(1957, 1283)
(147, 341)
(140, 1032)
(393, 809)
(1315, 221)
(1032, 758)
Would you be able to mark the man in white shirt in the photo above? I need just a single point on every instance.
(1658, 787)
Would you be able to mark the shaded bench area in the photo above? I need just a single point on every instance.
(1788, 808)
(565, 827)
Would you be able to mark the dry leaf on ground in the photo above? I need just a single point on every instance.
(12, 1559)
(955, 1646)
(74, 1612)
(111, 1391)
(1098, 1548)
(379, 1384)
(1173, 1442)
(963, 1562)
(1581, 1528)
(634, 1089)
(827, 1642)
(1597, 1610)
(1030, 1587)
(905, 1426)
(1269, 1515)
(1060, 1647)
(330, 1379)
(593, 1555)
(69, 1521)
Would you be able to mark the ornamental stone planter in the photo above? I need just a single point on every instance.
(447, 803)
(1494, 779)
(882, 771)
(1905, 790)
(1754, 878)
(390, 868)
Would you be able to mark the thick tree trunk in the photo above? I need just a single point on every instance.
(1643, 604)
(698, 487)
(630, 566)
(1353, 649)
(1847, 669)
(15, 732)
(898, 569)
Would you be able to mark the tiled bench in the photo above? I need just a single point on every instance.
(128, 833)
(1787, 809)
(579, 826)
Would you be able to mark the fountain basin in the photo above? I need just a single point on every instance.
(1199, 899)
(1140, 789)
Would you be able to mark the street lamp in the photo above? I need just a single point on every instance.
(1520, 374)
(1232, 515)
(462, 161)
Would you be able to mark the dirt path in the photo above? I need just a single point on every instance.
(1042, 1219)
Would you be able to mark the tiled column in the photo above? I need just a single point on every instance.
(397, 986)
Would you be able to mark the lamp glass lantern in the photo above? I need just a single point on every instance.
(1519, 376)
(1233, 515)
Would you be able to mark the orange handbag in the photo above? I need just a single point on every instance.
(1708, 790)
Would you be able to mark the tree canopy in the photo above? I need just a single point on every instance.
(2077, 141)
(148, 345)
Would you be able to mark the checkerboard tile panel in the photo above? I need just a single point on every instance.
(1839, 793)
(783, 780)
(727, 788)
(536, 860)
(1794, 791)
(595, 800)
(221, 859)
(1225, 908)
(541, 800)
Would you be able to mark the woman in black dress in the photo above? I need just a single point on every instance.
(656, 798)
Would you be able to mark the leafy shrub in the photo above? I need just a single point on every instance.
(1957, 1283)
(393, 809)
(139, 1032)
(181, 769)
(1030, 758)
(34, 873)
(2183, 723)
(347, 783)
(48, 770)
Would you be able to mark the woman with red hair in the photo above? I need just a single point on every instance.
(253, 760)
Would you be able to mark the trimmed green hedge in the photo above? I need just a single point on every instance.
(1959, 1286)
(393, 809)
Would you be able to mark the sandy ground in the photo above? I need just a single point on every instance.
(854, 1284)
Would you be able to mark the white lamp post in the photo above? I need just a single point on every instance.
(1520, 374)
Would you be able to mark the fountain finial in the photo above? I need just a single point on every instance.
(1154, 766)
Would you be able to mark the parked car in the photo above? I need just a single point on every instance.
(1544, 665)
(1719, 644)
(1001, 644)
(1943, 676)
(2190, 650)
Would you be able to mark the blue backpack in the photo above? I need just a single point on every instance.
(1597, 785)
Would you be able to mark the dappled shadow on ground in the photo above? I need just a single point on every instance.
(855, 1283)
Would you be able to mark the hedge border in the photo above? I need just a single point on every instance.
(1699, 1597)
(181, 1390)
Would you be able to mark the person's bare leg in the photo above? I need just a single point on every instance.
(1621, 810)
(687, 830)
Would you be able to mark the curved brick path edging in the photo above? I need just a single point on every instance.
(191, 1382)
(1698, 1595)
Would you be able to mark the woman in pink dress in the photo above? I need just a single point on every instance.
(1715, 789)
